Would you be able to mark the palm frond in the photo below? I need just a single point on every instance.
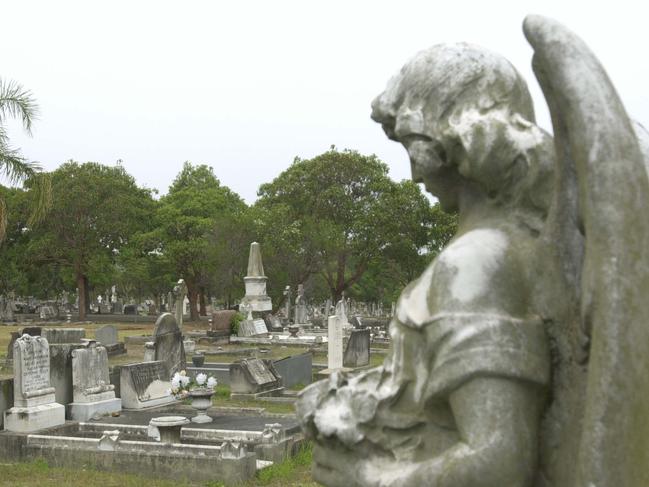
(41, 185)
(17, 102)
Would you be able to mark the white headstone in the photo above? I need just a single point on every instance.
(335, 344)
(94, 395)
(34, 401)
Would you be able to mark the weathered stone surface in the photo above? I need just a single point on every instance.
(61, 370)
(551, 249)
(296, 369)
(253, 376)
(256, 297)
(222, 320)
(335, 343)
(34, 401)
(357, 350)
(107, 335)
(93, 394)
(250, 328)
(64, 335)
(145, 384)
(168, 343)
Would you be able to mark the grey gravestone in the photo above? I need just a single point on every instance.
(93, 394)
(107, 335)
(357, 351)
(64, 335)
(222, 320)
(34, 401)
(61, 370)
(254, 376)
(145, 385)
(168, 343)
(296, 369)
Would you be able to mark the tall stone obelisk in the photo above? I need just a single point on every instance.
(256, 297)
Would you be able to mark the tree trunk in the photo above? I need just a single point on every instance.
(192, 296)
(86, 292)
(201, 302)
(81, 285)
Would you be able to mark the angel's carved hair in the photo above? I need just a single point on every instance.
(477, 109)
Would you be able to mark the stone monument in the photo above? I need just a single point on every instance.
(255, 282)
(94, 395)
(168, 344)
(546, 278)
(34, 401)
(180, 291)
(301, 317)
(335, 343)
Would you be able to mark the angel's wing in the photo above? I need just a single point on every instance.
(597, 147)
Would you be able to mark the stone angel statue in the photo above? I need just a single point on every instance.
(518, 357)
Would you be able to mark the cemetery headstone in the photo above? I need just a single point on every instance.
(34, 401)
(107, 336)
(93, 394)
(254, 376)
(296, 369)
(145, 385)
(180, 291)
(130, 309)
(168, 343)
(357, 351)
(221, 320)
(335, 343)
(64, 335)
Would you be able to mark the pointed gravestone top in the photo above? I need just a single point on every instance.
(255, 266)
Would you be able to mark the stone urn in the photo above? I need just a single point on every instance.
(201, 400)
(198, 359)
(293, 330)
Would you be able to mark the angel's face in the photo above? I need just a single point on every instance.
(428, 163)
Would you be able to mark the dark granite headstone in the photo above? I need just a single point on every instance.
(296, 369)
(357, 351)
(130, 309)
(168, 343)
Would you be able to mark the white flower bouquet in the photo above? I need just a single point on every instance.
(181, 384)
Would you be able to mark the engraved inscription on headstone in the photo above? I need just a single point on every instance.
(35, 365)
(259, 371)
(145, 373)
(260, 327)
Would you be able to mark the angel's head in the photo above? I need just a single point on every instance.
(465, 116)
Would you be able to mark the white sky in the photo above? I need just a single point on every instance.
(245, 86)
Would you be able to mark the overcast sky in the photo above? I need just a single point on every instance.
(246, 86)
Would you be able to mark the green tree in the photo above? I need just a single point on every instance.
(186, 222)
(339, 214)
(95, 211)
(16, 102)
